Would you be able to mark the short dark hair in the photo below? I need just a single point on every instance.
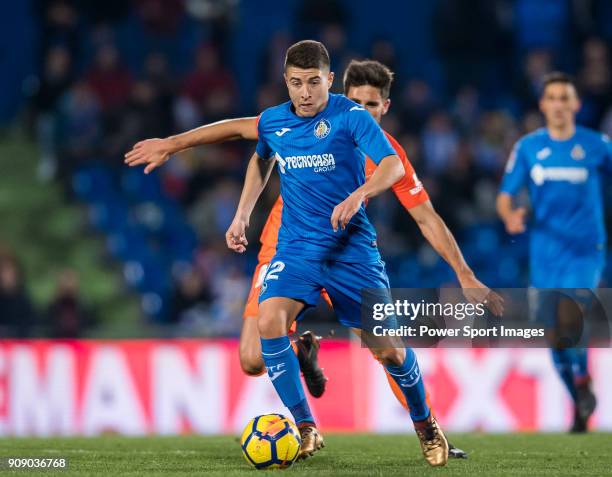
(307, 54)
(368, 72)
(558, 77)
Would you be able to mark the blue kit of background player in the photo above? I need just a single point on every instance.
(562, 167)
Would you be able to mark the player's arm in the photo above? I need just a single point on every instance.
(513, 218)
(368, 137)
(257, 175)
(515, 177)
(442, 240)
(388, 172)
(155, 152)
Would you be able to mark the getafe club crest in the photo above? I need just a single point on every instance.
(578, 152)
(322, 129)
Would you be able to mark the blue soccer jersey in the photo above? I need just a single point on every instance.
(564, 184)
(321, 161)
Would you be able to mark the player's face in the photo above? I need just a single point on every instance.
(308, 89)
(370, 98)
(559, 104)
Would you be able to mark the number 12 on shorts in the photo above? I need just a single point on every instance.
(274, 269)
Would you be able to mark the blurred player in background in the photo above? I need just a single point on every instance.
(368, 84)
(561, 166)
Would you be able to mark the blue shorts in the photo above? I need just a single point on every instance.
(302, 279)
(571, 278)
(567, 272)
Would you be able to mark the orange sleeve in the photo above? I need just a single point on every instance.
(269, 234)
(409, 189)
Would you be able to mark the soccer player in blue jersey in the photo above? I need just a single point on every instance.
(318, 141)
(561, 165)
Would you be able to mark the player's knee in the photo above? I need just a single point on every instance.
(271, 323)
(268, 325)
(390, 356)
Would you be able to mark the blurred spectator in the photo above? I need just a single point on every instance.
(214, 210)
(269, 95)
(80, 128)
(594, 81)
(495, 136)
(314, 14)
(17, 314)
(273, 60)
(384, 51)
(161, 17)
(157, 73)
(466, 108)
(531, 121)
(144, 115)
(54, 80)
(333, 36)
(542, 24)
(108, 11)
(230, 289)
(191, 298)
(440, 142)
(211, 87)
(417, 105)
(219, 15)
(455, 192)
(67, 315)
(537, 64)
(110, 81)
(210, 166)
(60, 27)
(470, 40)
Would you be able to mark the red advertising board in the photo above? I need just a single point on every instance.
(177, 386)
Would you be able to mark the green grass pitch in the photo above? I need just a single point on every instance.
(345, 454)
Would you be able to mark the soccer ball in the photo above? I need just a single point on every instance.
(270, 441)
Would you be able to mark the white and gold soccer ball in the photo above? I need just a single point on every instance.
(270, 441)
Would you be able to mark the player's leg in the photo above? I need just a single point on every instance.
(584, 272)
(296, 279)
(306, 346)
(344, 282)
(571, 325)
(561, 338)
(307, 349)
(251, 361)
(454, 452)
(275, 314)
(543, 304)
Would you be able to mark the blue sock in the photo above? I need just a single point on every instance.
(284, 371)
(564, 364)
(581, 364)
(409, 379)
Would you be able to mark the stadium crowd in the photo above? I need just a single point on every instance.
(94, 97)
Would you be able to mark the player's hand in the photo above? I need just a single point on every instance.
(152, 152)
(515, 221)
(477, 292)
(235, 237)
(345, 210)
